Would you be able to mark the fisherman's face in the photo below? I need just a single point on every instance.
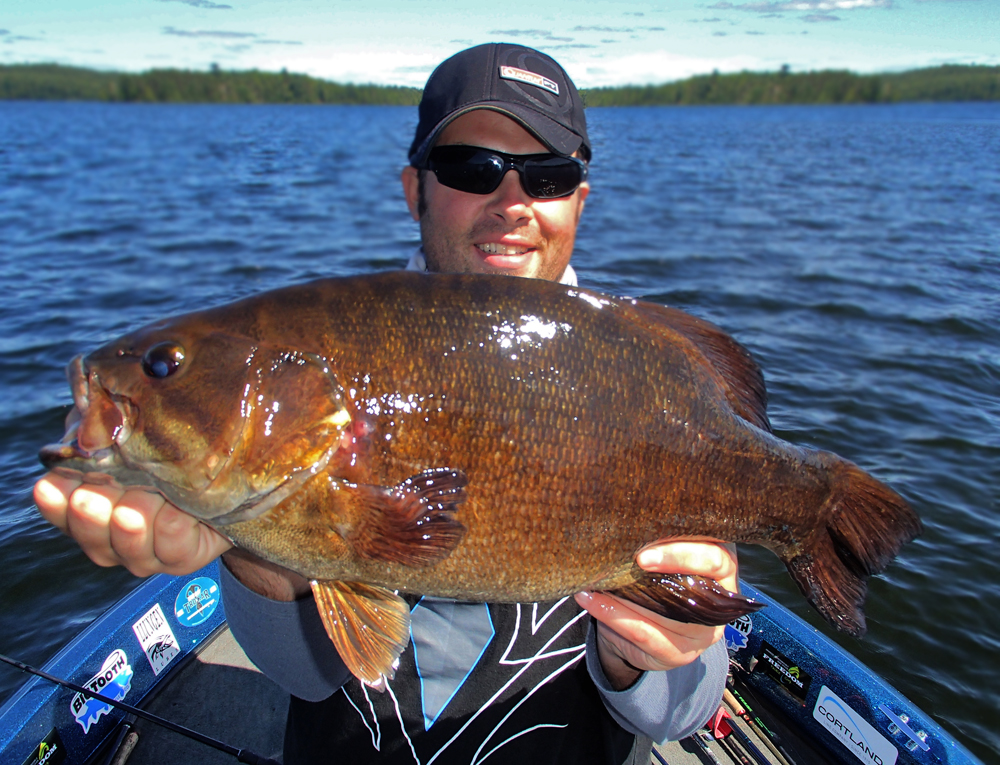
(504, 232)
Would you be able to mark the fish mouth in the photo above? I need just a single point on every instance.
(95, 426)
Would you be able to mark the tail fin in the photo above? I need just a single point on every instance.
(867, 525)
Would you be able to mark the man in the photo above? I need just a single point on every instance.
(497, 181)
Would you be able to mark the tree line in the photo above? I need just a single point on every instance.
(942, 83)
(53, 82)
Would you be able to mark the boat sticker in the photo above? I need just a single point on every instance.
(779, 667)
(737, 632)
(851, 730)
(196, 601)
(156, 638)
(50, 751)
(113, 681)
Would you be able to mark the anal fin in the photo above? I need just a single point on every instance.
(412, 523)
(369, 626)
(687, 598)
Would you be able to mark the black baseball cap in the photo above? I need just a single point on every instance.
(522, 83)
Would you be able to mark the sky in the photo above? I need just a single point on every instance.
(600, 43)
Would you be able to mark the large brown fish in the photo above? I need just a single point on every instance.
(480, 438)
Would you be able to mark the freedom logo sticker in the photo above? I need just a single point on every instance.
(851, 730)
(196, 601)
(156, 638)
(737, 632)
(113, 681)
(50, 751)
(789, 676)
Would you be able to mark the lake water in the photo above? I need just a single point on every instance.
(855, 250)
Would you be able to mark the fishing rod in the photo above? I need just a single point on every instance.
(241, 755)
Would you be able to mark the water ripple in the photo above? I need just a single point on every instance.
(853, 250)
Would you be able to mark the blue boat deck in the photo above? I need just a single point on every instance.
(166, 649)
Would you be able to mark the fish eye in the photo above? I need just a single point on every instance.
(162, 360)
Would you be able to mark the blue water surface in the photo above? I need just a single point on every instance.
(854, 250)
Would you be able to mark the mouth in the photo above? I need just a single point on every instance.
(66, 449)
(95, 424)
(67, 458)
(508, 256)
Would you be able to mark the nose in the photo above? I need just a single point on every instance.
(510, 201)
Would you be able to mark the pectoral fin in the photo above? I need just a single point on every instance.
(412, 523)
(369, 626)
(685, 598)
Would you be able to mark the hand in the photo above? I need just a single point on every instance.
(131, 528)
(631, 639)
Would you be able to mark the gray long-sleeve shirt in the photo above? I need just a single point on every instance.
(287, 641)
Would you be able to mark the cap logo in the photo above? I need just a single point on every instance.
(523, 75)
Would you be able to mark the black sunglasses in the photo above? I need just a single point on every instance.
(476, 170)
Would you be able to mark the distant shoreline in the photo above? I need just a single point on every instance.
(53, 82)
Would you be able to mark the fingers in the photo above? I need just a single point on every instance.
(135, 529)
(183, 544)
(150, 536)
(88, 518)
(631, 636)
(130, 531)
(714, 560)
(644, 639)
(51, 495)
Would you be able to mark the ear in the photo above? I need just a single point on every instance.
(411, 190)
(582, 193)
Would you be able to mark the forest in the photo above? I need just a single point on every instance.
(52, 82)
(943, 83)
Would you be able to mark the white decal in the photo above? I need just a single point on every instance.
(737, 632)
(156, 638)
(523, 75)
(848, 727)
(113, 681)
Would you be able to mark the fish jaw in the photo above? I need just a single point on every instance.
(103, 467)
(94, 427)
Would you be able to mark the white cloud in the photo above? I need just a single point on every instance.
(358, 65)
(201, 4)
(537, 34)
(655, 68)
(802, 5)
(622, 30)
(207, 33)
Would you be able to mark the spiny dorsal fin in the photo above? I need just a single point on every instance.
(369, 626)
(735, 368)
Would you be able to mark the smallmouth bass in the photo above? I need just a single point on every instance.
(473, 437)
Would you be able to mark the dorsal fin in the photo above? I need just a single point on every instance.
(735, 368)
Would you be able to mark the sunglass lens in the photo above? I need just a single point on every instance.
(473, 171)
(552, 177)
